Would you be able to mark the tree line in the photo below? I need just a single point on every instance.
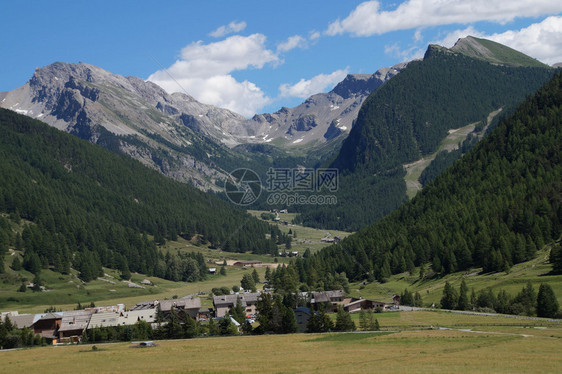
(527, 302)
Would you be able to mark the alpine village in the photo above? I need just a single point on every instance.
(407, 220)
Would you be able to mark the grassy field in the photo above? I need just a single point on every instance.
(535, 271)
(65, 291)
(307, 237)
(484, 348)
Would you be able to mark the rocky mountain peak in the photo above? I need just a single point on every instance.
(128, 115)
(493, 52)
(320, 118)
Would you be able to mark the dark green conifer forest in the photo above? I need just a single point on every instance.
(407, 118)
(85, 207)
(493, 208)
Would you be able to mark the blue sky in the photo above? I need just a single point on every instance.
(256, 56)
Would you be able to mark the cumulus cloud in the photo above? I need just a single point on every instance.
(203, 71)
(224, 30)
(369, 19)
(295, 41)
(417, 50)
(542, 40)
(320, 83)
(451, 38)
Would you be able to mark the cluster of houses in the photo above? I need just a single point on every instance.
(331, 299)
(67, 327)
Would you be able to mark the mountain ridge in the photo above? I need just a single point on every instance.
(494, 208)
(320, 118)
(406, 119)
(127, 114)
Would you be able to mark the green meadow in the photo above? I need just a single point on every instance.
(450, 348)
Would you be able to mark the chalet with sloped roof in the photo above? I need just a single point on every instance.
(224, 303)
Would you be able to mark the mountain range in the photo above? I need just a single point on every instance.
(368, 126)
(174, 133)
(322, 117)
(74, 204)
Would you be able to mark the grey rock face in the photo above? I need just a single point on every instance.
(90, 102)
(321, 118)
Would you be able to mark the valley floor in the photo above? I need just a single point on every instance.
(458, 344)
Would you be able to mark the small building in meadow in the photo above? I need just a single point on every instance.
(246, 264)
(357, 305)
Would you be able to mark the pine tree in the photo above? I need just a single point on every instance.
(418, 300)
(213, 328)
(555, 259)
(547, 304)
(362, 319)
(406, 298)
(462, 302)
(527, 299)
(450, 297)
(248, 283)
(238, 311)
(344, 321)
(268, 274)
(16, 264)
(190, 327)
(372, 322)
(422, 272)
(255, 276)
(289, 321)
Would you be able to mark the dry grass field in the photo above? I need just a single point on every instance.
(430, 351)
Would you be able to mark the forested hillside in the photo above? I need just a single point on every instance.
(493, 208)
(84, 206)
(407, 118)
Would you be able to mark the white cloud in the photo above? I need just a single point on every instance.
(408, 54)
(320, 83)
(451, 38)
(418, 37)
(314, 35)
(542, 40)
(223, 91)
(224, 30)
(203, 71)
(368, 19)
(295, 41)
